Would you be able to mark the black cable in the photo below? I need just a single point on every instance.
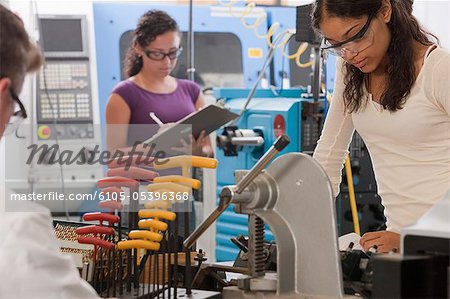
(16, 132)
(54, 120)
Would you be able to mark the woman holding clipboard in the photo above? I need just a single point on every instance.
(151, 95)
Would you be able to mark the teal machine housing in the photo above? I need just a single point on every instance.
(265, 110)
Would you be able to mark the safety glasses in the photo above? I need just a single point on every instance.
(158, 55)
(351, 47)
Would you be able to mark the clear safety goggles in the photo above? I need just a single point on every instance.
(354, 45)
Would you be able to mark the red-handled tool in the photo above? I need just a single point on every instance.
(112, 191)
(101, 217)
(132, 172)
(136, 161)
(118, 181)
(95, 229)
(96, 242)
(110, 205)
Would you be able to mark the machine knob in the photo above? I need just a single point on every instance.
(282, 142)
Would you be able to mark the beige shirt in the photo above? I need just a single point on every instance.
(410, 148)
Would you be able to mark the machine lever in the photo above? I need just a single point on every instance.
(239, 244)
(277, 147)
(227, 193)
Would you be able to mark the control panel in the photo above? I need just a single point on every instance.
(64, 92)
(64, 105)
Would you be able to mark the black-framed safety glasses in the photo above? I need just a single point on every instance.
(159, 56)
(19, 113)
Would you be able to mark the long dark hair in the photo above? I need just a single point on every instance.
(405, 30)
(150, 25)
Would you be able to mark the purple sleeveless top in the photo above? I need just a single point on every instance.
(168, 107)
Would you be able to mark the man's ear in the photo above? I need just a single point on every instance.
(5, 84)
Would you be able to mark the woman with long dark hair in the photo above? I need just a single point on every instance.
(149, 87)
(392, 86)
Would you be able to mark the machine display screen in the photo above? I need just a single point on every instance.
(61, 35)
(218, 59)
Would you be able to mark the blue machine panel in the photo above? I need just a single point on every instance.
(110, 27)
(287, 16)
(261, 113)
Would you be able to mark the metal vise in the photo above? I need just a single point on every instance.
(294, 197)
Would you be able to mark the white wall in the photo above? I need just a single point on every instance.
(434, 16)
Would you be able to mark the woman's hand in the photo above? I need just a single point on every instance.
(164, 127)
(199, 144)
(386, 241)
(197, 147)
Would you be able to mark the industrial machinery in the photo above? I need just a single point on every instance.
(421, 270)
(62, 118)
(267, 114)
(267, 117)
(289, 196)
(294, 197)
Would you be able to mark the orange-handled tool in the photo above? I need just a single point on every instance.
(193, 183)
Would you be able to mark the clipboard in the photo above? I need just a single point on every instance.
(209, 119)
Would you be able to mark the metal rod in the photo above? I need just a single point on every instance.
(204, 225)
(154, 275)
(170, 249)
(120, 255)
(157, 271)
(136, 269)
(129, 270)
(101, 270)
(175, 269)
(316, 84)
(187, 251)
(190, 41)
(113, 266)
(164, 247)
(94, 266)
(107, 269)
(143, 262)
(247, 141)
(149, 272)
